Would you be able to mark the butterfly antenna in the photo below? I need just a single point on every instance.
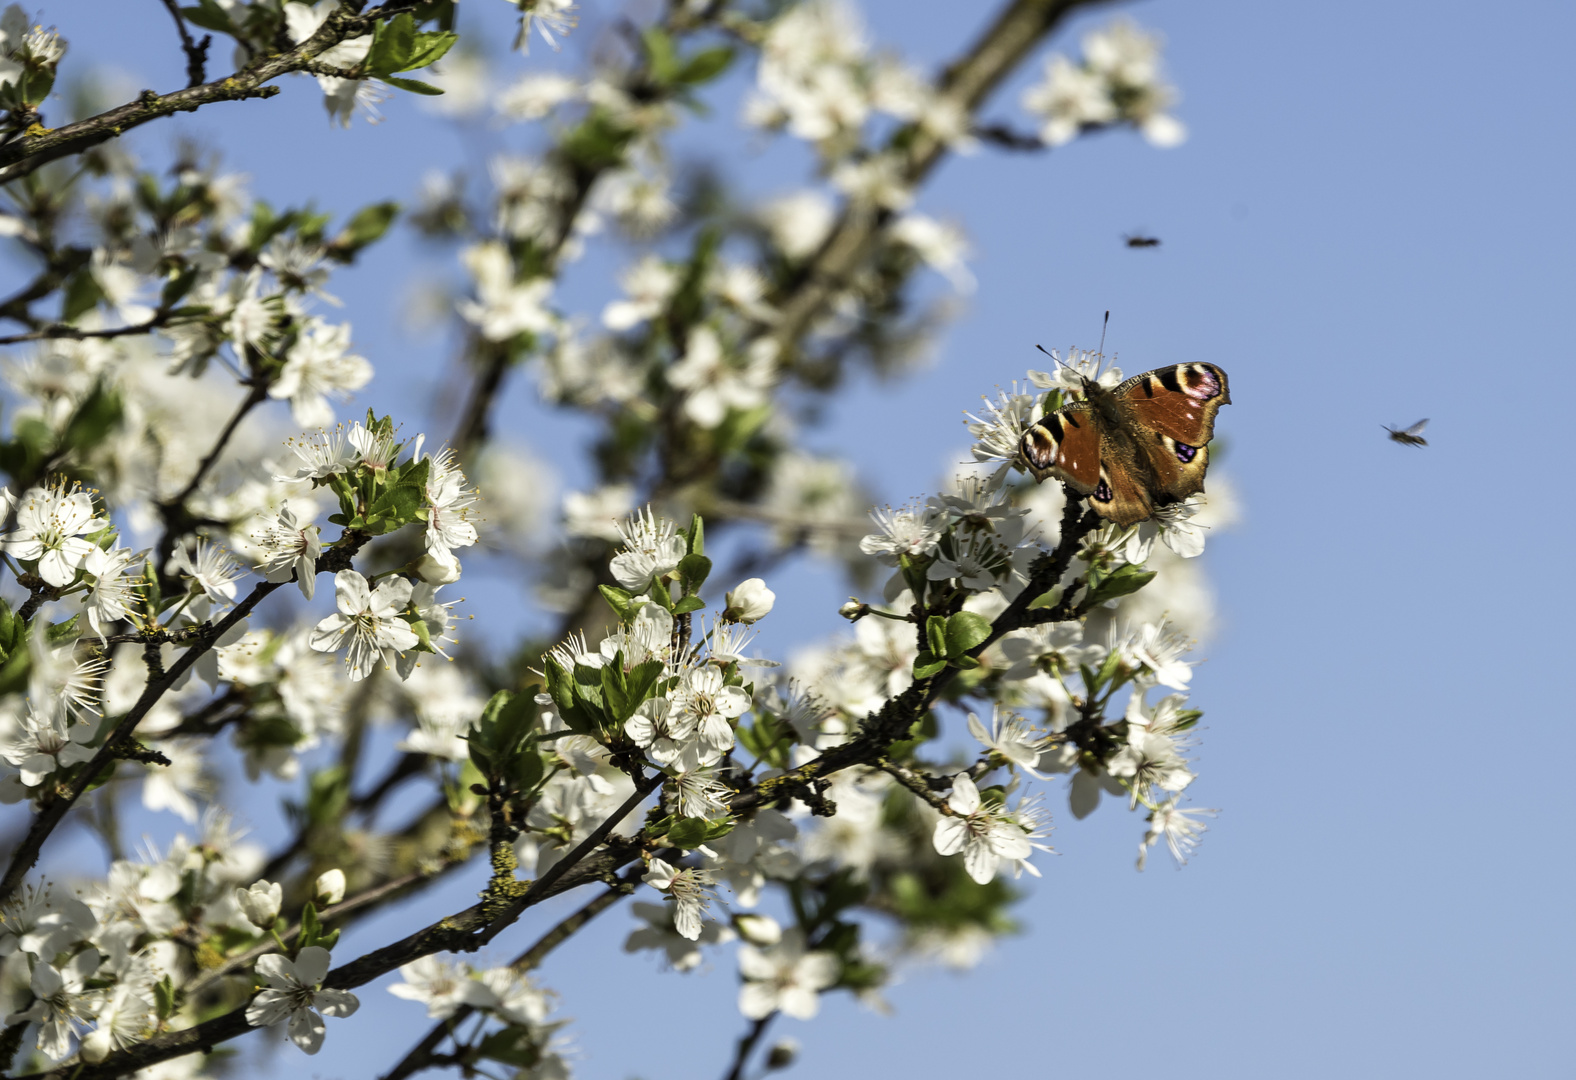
(1058, 359)
(1101, 353)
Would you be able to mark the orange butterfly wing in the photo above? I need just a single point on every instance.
(1171, 415)
(1066, 444)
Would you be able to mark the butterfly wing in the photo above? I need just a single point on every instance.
(1170, 413)
(1072, 444)
(1065, 444)
(1417, 428)
(1121, 495)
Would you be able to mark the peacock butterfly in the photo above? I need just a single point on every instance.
(1141, 445)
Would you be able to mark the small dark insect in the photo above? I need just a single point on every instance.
(1412, 436)
(1136, 241)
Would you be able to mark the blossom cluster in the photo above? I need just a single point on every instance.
(156, 518)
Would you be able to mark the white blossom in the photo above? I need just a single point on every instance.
(113, 591)
(295, 994)
(51, 523)
(785, 978)
(367, 622)
(291, 549)
(503, 307)
(749, 601)
(441, 985)
(319, 366)
(652, 549)
(1178, 826)
(689, 889)
(986, 836)
(260, 903)
(330, 887)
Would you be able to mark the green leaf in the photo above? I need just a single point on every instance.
(93, 420)
(393, 42)
(366, 226)
(640, 680)
(64, 631)
(927, 664)
(615, 696)
(399, 505)
(210, 16)
(82, 294)
(664, 62)
(688, 833)
(694, 570)
(1126, 580)
(164, 998)
(310, 927)
(1046, 599)
(415, 86)
(695, 539)
(429, 47)
(705, 65)
(964, 631)
(688, 604)
(619, 601)
(936, 634)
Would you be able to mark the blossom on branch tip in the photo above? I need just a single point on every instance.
(441, 985)
(291, 549)
(689, 889)
(295, 993)
(210, 568)
(985, 835)
(260, 903)
(51, 525)
(113, 592)
(368, 622)
(1177, 825)
(785, 978)
(652, 549)
(749, 601)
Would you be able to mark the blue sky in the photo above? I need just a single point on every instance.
(1370, 223)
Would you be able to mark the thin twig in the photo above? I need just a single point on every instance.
(747, 1043)
(196, 52)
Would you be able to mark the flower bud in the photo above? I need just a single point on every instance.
(782, 1054)
(854, 610)
(438, 568)
(260, 903)
(758, 929)
(330, 887)
(750, 601)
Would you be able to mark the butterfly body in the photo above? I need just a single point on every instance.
(1139, 241)
(1412, 436)
(1140, 445)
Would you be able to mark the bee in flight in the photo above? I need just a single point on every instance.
(1412, 436)
(1138, 240)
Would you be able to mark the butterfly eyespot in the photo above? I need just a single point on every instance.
(1103, 492)
(1186, 453)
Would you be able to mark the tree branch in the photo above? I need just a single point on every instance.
(50, 816)
(26, 154)
(420, 1056)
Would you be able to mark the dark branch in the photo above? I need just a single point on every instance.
(26, 154)
(421, 1056)
(196, 51)
(747, 1043)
